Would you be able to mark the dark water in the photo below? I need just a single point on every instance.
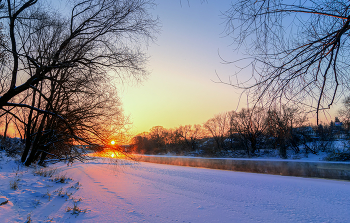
(319, 169)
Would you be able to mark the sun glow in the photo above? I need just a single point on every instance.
(112, 150)
(109, 153)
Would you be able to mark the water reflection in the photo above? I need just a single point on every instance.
(330, 170)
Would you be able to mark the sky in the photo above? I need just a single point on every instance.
(184, 63)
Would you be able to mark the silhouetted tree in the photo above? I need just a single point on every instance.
(159, 137)
(250, 125)
(344, 113)
(218, 128)
(281, 126)
(298, 49)
(67, 64)
(190, 135)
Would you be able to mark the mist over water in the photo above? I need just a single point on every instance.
(319, 169)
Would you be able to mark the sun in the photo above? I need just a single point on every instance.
(112, 155)
(113, 142)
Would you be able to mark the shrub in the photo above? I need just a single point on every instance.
(29, 219)
(75, 209)
(338, 156)
(45, 172)
(61, 179)
(14, 184)
(48, 195)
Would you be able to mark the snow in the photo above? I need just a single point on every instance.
(146, 192)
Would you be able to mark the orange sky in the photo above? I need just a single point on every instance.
(183, 65)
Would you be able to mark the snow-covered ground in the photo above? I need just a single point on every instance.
(146, 192)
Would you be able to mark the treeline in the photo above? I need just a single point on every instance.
(248, 133)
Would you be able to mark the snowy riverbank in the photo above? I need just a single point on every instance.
(146, 192)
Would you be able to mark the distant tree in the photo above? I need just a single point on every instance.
(344, 113)
(140, 144)
(182, 139)
(159, 137)
(281, 125)
(190, 135)
(298, 50)
(218, 128)
(174, 140)
(250, 125)
(325, 133)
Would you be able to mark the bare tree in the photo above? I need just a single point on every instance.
(140, 144)
(190, 134)
(7, 121)
(182, 139)
(281, 126)
(152, 142)
(218, 128)
(93, 115)
(159, 136)
(59, 68)
(298, 50)
(250, 125)
(344, 113)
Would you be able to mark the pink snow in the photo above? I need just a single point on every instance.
(146, 192)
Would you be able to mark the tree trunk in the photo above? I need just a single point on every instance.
(32, 154)
(6, 127)
(253, 144)
(42, 158)
(28, 133)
